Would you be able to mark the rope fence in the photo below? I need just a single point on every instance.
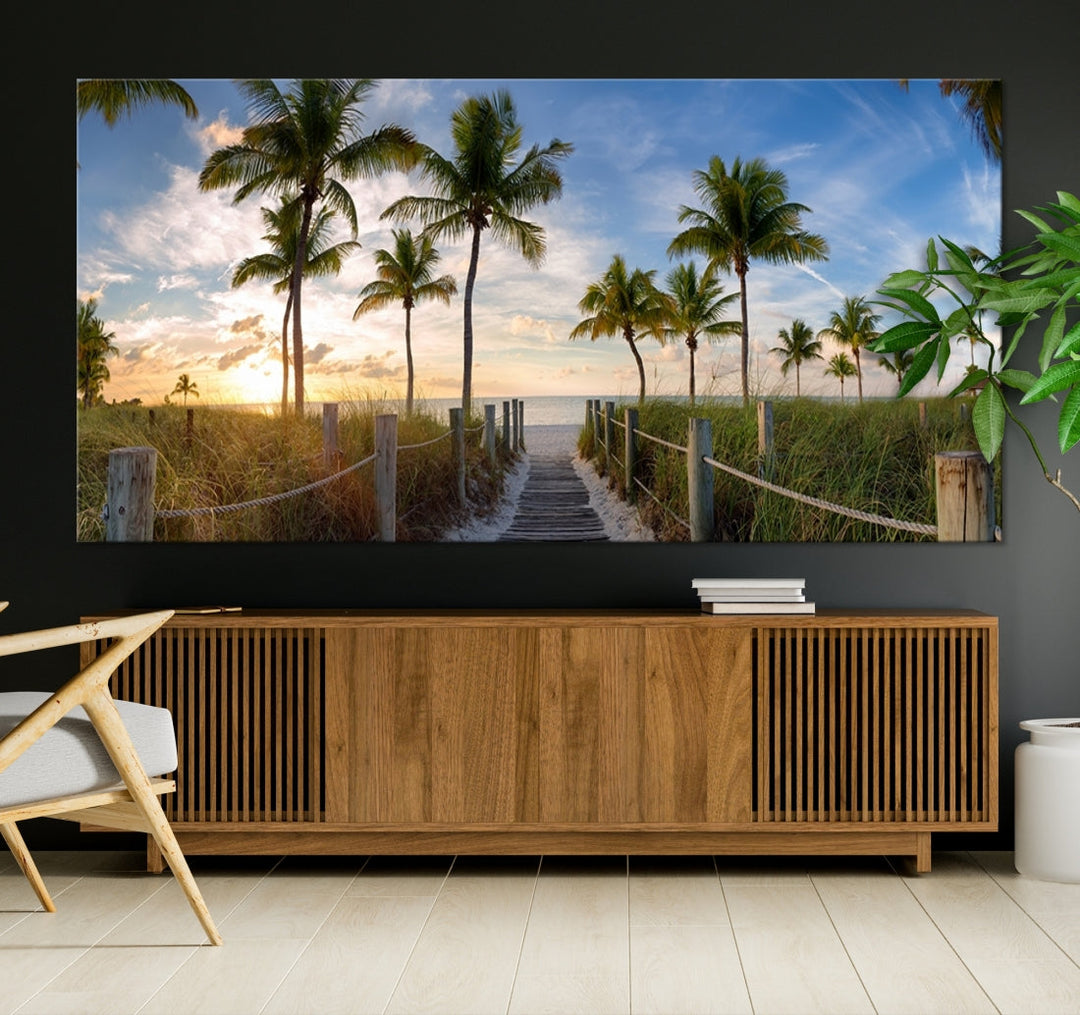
(260, 501)
(839, 509)
(963, 480)
(129, 512)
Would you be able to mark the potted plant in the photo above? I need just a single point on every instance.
(1039, 281)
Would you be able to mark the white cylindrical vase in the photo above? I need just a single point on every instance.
(1047, 801)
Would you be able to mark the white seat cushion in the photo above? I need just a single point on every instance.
(70, 757)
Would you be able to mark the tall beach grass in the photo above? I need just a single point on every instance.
(875, 457)
(234, 455)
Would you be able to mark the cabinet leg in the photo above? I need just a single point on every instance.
(922, 853)
(155, 862)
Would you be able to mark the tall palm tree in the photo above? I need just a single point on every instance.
(898, 364)
(276, 265)
(407, 274)
(95, 346)
(698, 309)
(185, 386)
(116, 97)
(840, 367)
(485, 185)
(981, 109)
(797, 346)
(307, 141)
(627, 303)
(746, 216)
(853, 325)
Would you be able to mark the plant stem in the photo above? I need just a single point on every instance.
(1054, 481)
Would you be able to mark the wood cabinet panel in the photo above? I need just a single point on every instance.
(431, 725)
(645, 725)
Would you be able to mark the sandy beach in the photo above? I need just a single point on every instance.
(619, 520)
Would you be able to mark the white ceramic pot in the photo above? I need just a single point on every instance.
(1047, 796)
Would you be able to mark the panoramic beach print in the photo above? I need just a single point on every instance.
(530, 310)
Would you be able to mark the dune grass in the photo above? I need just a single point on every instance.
(234, 455)
(873, 457)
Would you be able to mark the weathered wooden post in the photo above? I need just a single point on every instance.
(597, 421)
(609, 438)
(506, 429)
(766, 451)
(130, 495)
(516, 441)
(330, 435)
(924, 424)
(489, 433)
(630, 418)
(521, 424)
(457, 442)
(965, 497)
(588, 417)
(699, 480)
(386, 476)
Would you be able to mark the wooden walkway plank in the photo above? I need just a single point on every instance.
(554, 505)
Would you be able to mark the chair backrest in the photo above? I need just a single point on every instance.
(127, 634)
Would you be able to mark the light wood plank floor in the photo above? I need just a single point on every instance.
(521, 935)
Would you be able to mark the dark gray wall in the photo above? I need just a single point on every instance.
(1031, 581)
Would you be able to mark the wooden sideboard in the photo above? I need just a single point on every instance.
(549, 731)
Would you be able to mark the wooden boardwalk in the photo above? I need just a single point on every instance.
(554, 504)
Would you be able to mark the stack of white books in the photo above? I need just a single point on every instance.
(752, 595)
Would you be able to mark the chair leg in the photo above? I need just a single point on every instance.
(15, 842)
(106, 719)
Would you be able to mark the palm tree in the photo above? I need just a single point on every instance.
(698, 309)
(746, 216)
(276, 265)
(853, 325)
(484, 185)
(406, 274)
(981, 109)
(115, 97)
(306, 142)
(898, 365)
(798, 345)
(840, 367)
(95, 346)
(627, 303)
(185, 386)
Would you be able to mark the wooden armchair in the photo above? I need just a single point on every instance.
(56, 749)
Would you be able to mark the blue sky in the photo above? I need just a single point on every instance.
(882, 170)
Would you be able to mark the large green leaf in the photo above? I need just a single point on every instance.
(971, 378)
(904, 336)
(920, 304)
(988, 419)
(1023, 302)
(1022, 380)
(1069, 421)
(904, 279)
(943, 351)
(1061, 243)
(1069, 201)
(1057, 378)
(1070, 343)
(931, 256)
(1052, 337)
(1037, 222)
(920, 367)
